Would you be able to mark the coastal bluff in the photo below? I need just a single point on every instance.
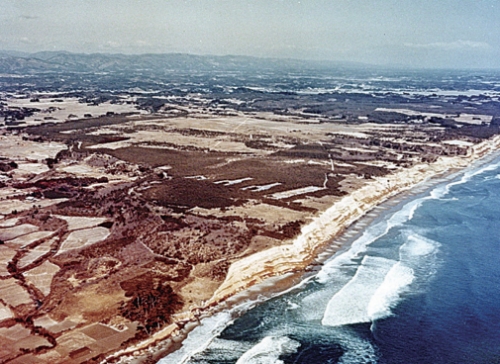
(128, 217)
(298, 253)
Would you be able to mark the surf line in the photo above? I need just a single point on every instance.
(295, 256)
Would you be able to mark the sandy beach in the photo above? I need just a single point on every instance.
(137, 232)
(295, 255)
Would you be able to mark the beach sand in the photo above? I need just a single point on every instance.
(294, 256)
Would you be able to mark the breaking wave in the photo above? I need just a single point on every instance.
(378, 284)
(199, 339)
(350, 304)
(442, 191)
(333, 267)
(417, 246)
(268, 351)
(388, 293)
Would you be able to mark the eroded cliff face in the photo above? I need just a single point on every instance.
(116, 231)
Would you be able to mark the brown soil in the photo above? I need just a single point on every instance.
(177, 217)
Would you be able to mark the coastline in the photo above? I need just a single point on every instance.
(300, 252)
(295, 255)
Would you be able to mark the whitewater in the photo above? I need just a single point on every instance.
(418, 284)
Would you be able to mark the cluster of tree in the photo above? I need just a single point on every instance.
(13, 114)
(151, 302)
(7, 166)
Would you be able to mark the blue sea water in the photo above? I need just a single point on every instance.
(420, 284)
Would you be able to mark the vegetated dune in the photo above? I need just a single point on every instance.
(294, 255)
(298, 253)
(136, 225)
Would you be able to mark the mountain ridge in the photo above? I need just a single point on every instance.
(49, 61)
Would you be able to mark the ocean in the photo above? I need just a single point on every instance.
(419, 283)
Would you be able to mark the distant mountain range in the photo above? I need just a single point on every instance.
(18, 62)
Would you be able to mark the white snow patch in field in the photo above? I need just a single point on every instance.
(298, 191)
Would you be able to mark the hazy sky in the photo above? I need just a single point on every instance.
(418, 33)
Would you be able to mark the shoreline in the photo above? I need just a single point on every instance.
(288, 262)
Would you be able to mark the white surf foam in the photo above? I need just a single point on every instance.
(199, 339)
(350, 304)
(268, 351)
(383, 292)
(377, 286)
(313, 306)
(439, 192)
(420, 254)
(388, 293)
(333, 267)
(221, 351)
(202, 336)
(417, 245)
(442, 191)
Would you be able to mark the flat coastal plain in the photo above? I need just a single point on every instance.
(118, 231)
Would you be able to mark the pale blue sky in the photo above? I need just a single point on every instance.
(418, 33)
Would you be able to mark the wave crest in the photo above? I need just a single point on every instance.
(268, 351)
